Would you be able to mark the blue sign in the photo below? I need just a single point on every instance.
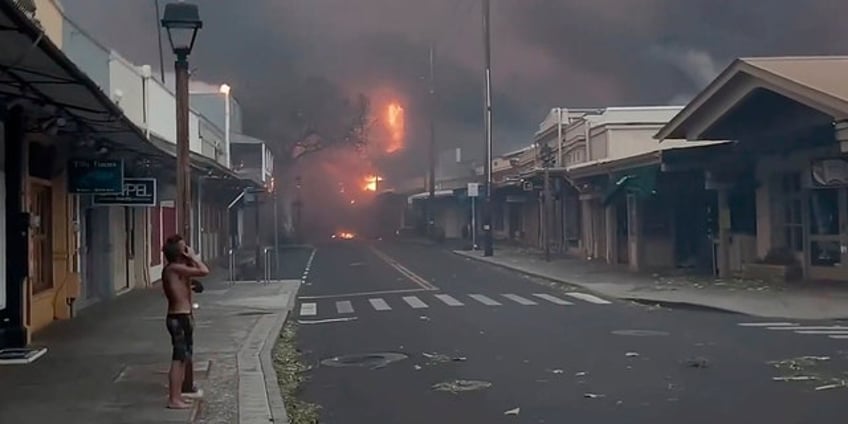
(137, 192)
(92, 176)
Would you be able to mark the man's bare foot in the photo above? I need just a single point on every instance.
(180, 404)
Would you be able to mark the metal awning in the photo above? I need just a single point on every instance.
(425, 195)
(35, 70)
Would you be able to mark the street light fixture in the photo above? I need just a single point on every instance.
(182, 21)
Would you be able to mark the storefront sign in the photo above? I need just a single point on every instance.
(473, 189)
(137, 192)
(829, 172)
(91, 176)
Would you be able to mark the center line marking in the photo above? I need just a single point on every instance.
(414, 302)
(380, 304)
(766, 324)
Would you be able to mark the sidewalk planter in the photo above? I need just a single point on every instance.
(770, 272)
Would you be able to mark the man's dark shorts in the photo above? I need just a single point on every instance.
(181, 329)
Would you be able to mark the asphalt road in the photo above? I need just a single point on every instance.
(551, 352)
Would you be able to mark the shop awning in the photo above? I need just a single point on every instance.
(641, 182)
(35, 70)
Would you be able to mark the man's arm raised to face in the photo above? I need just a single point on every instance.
(187, 271)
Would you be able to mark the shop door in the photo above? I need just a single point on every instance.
(827, 250)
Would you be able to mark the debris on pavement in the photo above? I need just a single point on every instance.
(556, 371)
(794, 378)
(417, 367)
(580, 374)
(842, 384)
(698, 362)
(357, 264)
(424, 318)
(514, 411)
(632, 354)
(456, 386)
(438, 358)
(593, 396)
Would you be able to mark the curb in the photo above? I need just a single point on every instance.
(259, 396)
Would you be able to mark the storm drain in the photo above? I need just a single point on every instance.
(366, 360)
(640, 333)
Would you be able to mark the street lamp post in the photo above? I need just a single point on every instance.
(182, 21)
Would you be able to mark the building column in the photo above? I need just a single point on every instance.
(723, 253)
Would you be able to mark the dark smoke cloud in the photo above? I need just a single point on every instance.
(546, 53)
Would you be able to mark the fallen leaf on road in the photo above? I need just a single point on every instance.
(632, 354)
(557, 371)
(456, 386)
(593, 395)
(417, 367)
(580, 374)
(515, 411)
(424, 318)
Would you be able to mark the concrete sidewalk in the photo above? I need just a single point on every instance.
(749, 297)
(109, 364)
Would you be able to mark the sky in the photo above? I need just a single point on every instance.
(545, 53)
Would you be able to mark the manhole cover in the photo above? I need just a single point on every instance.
(640, 333)
(367, 360)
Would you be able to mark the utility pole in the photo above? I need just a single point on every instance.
(488, 248)
(183, 155)
(547, 202)
(431, 183)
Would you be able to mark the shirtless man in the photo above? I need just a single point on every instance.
(182, 265)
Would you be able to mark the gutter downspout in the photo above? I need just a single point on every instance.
(559, 137)
(587, 126)
(227, 131)
(146, 74)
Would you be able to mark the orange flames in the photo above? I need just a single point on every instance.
(396, 126)
(371, 182)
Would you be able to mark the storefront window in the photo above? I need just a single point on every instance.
(825, 253)
(790, 207)
(824, 212)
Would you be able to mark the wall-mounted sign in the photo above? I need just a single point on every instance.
(829, 172)
(137, 192)
(473, 190)
(92, 176)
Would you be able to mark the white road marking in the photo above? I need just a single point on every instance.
(448, 300)
(798, 328)
(344, 307)
(308, 309)
(414, 302)
(484, 300)
(588, 298)
(552, 299)
(823, 332)
(380, 304)
(839, 337)
(361, 294)
(520, 300)
(326, 321)
(766, 324)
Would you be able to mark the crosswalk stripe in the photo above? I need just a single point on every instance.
(448, 300)
(588, 298)
(380, 304)
(520, 300)
(766, 324)
(484, 300)
(344, 307)
(823, 332)
(552, 299)
(414, 302)
(839, 337)
(308, 309)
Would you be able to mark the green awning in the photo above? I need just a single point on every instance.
(641, 182)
